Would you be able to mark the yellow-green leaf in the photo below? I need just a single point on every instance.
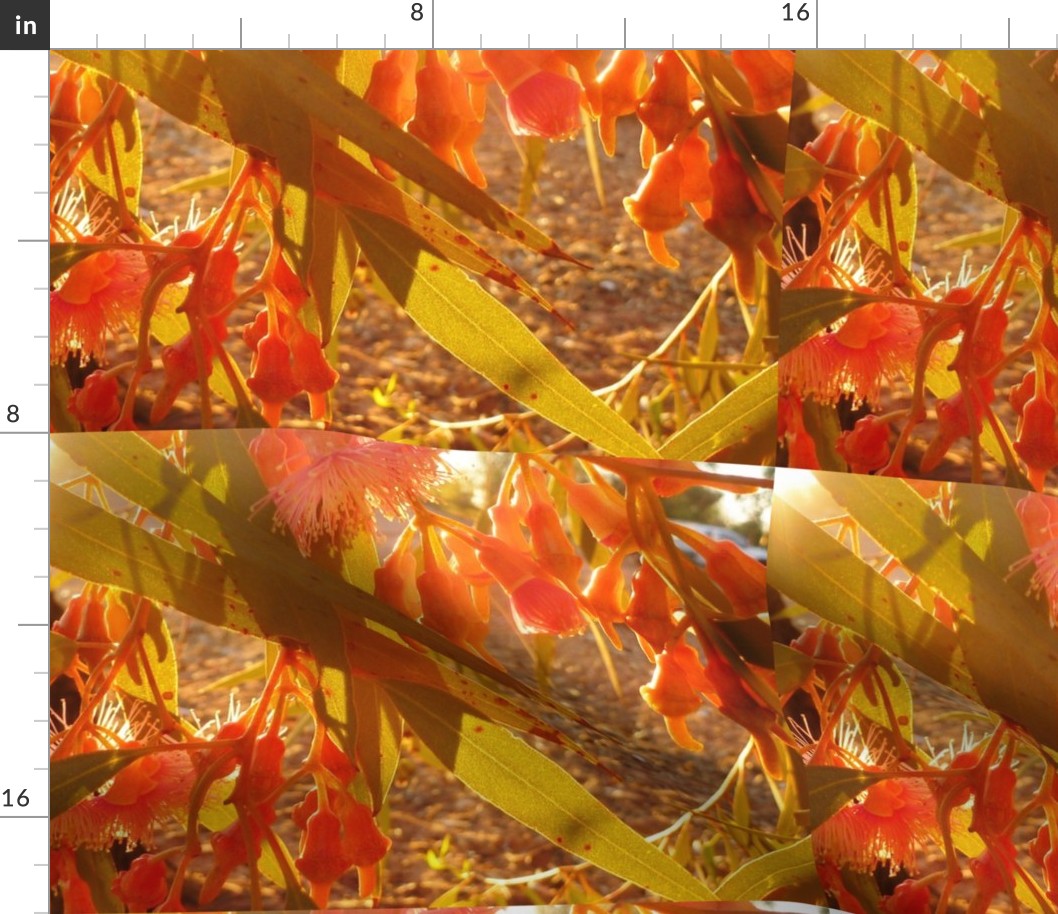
(802, 175)
(481, 332)
(750, 408)
(539, 793)
(810, 566)
(1001, 632)
(788, 866)
(885, 87)
(79, 776)
(831, 788)
(805, 312)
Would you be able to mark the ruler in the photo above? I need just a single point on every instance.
(24, 346)
(558, 23)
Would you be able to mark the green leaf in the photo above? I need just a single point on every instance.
(96, 867)
(342, 177)
(865, 701)
(93, 544)
(481, 332)
(258, 122)
(765, 134)
(806, 312)
(539, 793)
(811, 567)
(885, 87)
(873, 219)
(121, 137)
(830, 789)
(377, 657)
(61, 651)
(535, 154)
(1000, 631)
(157, 647)
(788, 866)
(379, 729)
(1020, 109)
(65, 254)
(79, 776)
(985, 518)
(59, 391)
(748, 409)
(802, 174)
(176, 81)
(980, 238)
(334, 255)
(792, 668)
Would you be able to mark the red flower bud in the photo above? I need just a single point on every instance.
(866, 447)
(143, 885)
(96, 404)
(272, 378)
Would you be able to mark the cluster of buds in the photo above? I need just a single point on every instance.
(551, 590)
(440, 98)
(288, 359)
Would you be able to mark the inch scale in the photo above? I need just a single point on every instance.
(34, 28)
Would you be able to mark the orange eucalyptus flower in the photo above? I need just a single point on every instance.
(391, 91)
(855, 355)
(887, 822)
(97, 294)
(665, 108)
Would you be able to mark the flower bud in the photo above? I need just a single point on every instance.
(144, 884)
(866, 447)
(436, 122)
(543, 606)
(650, 608)
(619, 85)
(391, 92)
(673, 691)
(272, 378)
(95, 405)
(311, 370)
(657, 206)
(665, 108)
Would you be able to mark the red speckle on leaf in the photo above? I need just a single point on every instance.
(434, 267)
